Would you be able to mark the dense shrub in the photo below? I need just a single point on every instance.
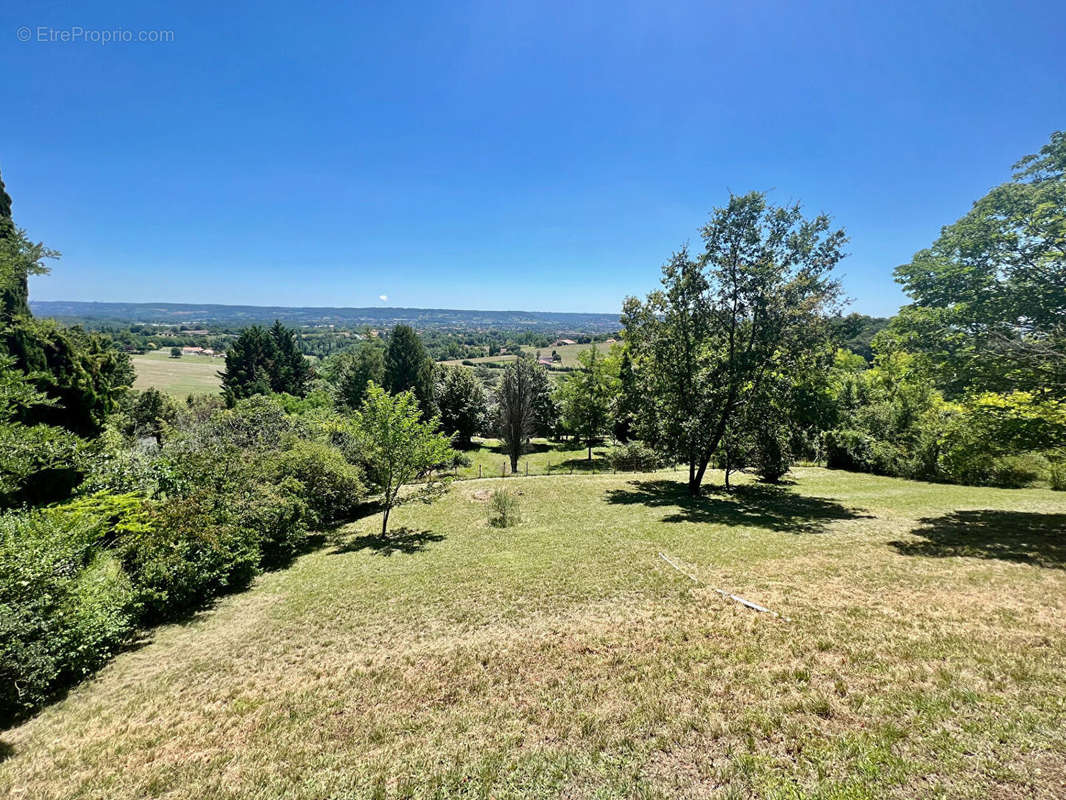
(65, 606)
(188, 554)
(1019, 471)
(850, 450)
(1057, 474)
(331, 487)
(504, 509)
(634, 457)
(273, 518)
(772, 457)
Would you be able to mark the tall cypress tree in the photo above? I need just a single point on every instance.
(248, 365)
(262, 361)
(409, 367)
(289, 370)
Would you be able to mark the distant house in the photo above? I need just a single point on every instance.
(192, 351)
(547, 362)
(610, 341)
(561, 342)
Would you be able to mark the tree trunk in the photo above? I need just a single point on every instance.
(590, 451)
(696, 473)
(385, 520)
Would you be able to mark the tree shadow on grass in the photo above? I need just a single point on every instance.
(773, 507)
(6, 751)
(1022, 536)
(401, 540)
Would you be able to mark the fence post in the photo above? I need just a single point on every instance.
(479, 470)
(527, 468)
(503, 470)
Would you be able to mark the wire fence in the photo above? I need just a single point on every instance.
(567, 468)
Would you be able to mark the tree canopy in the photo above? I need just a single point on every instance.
(749, 309)
(988, 310)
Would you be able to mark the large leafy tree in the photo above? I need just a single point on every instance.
(988, 310)
(587, 396)
(408, 367)
(750, 308)
(462, 403)
(398, 447)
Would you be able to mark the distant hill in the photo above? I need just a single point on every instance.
(422, 318)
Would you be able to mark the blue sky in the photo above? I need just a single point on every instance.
(499, 155)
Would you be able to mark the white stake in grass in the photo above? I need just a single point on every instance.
(734, 597)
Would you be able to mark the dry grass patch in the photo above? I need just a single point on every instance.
(564, 658)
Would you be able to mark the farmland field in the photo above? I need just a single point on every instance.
(923, 655)
(178, 377)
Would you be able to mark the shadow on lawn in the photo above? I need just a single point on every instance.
(401, 540)
(1022, 536)
(6, 751)
(776, 508)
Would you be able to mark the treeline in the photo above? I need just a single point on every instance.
(323, 341)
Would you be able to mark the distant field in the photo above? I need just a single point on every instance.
(483, 360)
(567, 352)
(178, 377)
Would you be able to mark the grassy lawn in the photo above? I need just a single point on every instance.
(179, 377)
(925, 655)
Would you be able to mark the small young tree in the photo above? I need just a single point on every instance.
(398, 447)
(175, 352)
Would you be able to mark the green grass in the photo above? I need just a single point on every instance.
(178, 377)
(542, 457)
(925, 655)
(568, 353)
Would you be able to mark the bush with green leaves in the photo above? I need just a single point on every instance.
(772, 457)
(331, 487)
(504, 509)
(189, 553)
(65, 606)
(634, 457)
(1057, 472)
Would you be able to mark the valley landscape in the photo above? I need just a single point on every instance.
(753, 487)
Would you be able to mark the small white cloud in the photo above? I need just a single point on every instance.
(383, 297)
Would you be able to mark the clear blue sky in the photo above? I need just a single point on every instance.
(499, 155)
